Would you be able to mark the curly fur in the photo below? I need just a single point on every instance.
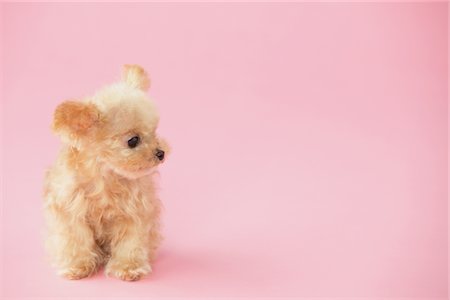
(100, 200)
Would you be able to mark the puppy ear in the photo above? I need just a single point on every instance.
(136, 77)
(73, 120)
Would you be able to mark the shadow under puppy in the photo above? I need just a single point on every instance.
(100, 200)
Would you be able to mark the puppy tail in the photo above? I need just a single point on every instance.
(136, 77)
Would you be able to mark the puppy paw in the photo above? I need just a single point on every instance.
(77, 272)
(128, 271)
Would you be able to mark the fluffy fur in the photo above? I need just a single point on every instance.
(100, 200)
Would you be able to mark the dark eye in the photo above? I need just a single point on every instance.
(134, 141)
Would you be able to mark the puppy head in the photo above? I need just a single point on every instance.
(117, 126)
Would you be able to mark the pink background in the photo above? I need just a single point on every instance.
(309, 143)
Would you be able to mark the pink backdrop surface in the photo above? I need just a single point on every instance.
(309, 143)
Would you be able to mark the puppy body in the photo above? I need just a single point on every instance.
(100, 199)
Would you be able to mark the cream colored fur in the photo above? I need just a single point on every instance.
(100, 201)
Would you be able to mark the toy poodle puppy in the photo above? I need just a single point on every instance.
(100, 200)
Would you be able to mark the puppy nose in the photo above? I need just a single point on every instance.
(159, 154)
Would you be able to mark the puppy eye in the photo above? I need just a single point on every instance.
(134, 141)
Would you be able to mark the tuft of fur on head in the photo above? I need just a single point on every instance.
(136, 77)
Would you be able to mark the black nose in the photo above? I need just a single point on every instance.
(159, 154)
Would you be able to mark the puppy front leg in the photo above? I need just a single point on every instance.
(129, 251)
(73, 248)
